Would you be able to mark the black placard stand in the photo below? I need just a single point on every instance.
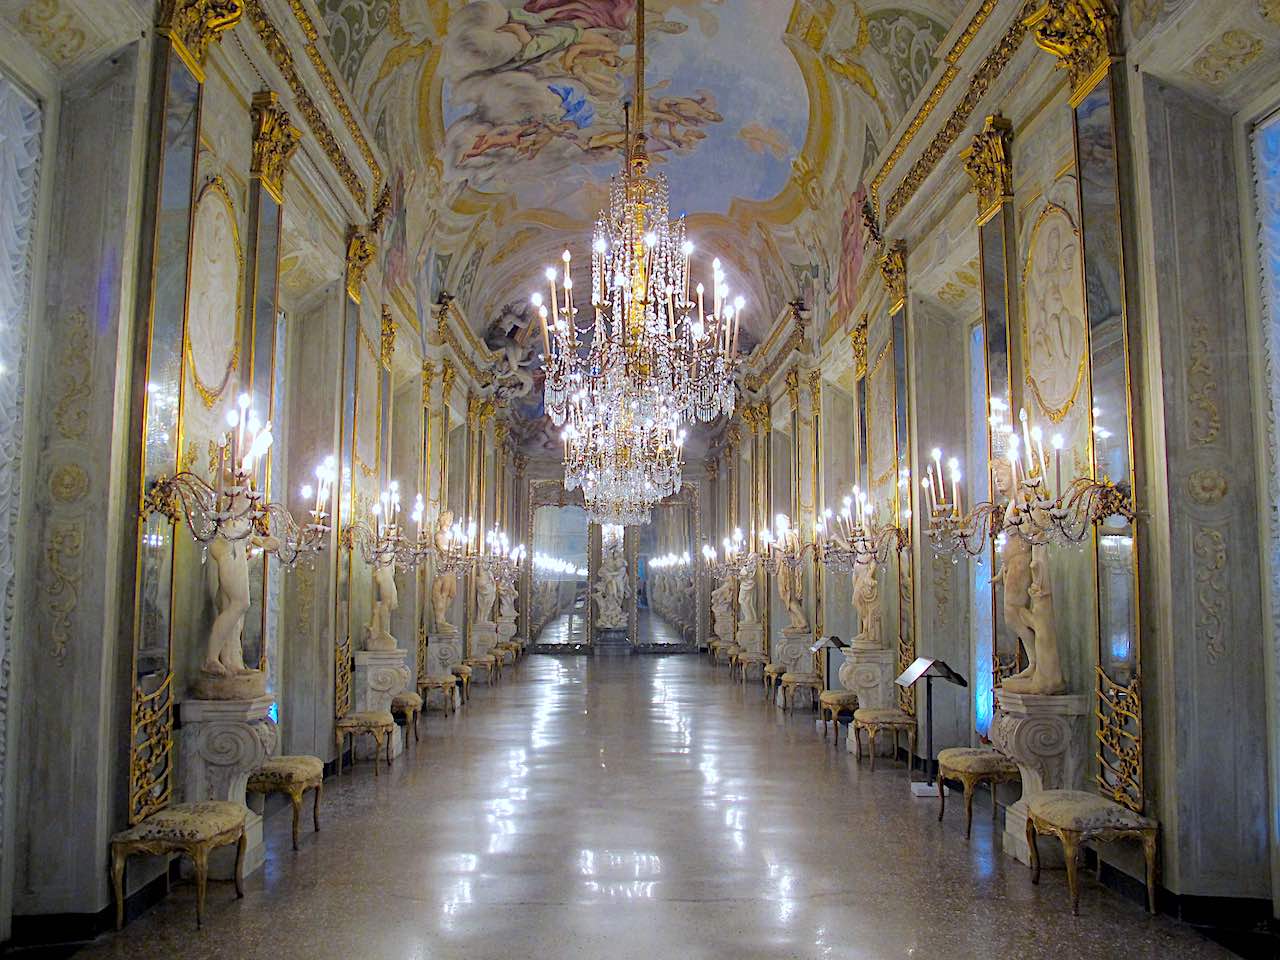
(928, 668)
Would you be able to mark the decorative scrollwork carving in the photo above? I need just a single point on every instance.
(858, 340)
(389, 328)
(360, 253)
(192, 25)
(987, 163)
(1210, 549)
(1120, 740)
(151, 751)
(1083, 34)
(893, 269)
(275, 140)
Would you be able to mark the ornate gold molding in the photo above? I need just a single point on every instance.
(428, 375)
(278, 50)
(381, 210)
(987, 163)
(360, 253)
(712, 467)
(447, 375)
(815, 389)
(858, 341)
(473, 409)
(986, 74)
(893, 269)
(389, 328)
(793, 388)
(193, 25)
(1083, 34)
(275, 140)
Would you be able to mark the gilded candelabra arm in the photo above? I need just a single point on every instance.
(288, 541)
(1084, 504)
(968, 535)
(232, 512)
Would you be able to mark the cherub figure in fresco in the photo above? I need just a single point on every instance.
(675, 122)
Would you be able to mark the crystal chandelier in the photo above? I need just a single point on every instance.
(656, 354)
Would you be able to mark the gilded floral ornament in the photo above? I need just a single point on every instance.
(893, 268)
(448, 374)
(793, 388)
(360, 252)
(858, 340)
(389, 328)
(381, 210)
(275, 140)
(1083, 34)
(1207, 486)
(987, 163)
(192, 25)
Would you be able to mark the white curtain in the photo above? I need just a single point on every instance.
(19, 176)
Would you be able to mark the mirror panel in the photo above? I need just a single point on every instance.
(345, 512)
(559, 607)
(904, 504)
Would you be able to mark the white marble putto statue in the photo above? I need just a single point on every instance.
(611, 586)
(1037, 628)
(377, 634)
(224, 675)
(444, 586)
(791, 592)
(486, 593)
(722, 601)
(747, 595)
(866, 601)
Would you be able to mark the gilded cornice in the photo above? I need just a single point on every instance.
(893, 269)
(983, 77)
(446, 310)
(988, 165)
(193, 25)
(949, 74)
(275, 140)
(360, 252)
(798, 328)
(389, 328)
(1083, 34)
(331, 86)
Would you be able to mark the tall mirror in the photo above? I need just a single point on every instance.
(666, 576)
(559, 606)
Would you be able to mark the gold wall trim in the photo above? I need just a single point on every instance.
(935, 95)
(983, 77)
(278, 49)
(331, 85)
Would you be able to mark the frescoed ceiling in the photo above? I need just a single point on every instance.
(502, 121)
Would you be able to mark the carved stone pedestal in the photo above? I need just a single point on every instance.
(379, 676)
(444, 651)
(869, 674)
(794, 649)
(1048, 738)
(481, 638)
(750, 637)
(506, 628)
(221, 741)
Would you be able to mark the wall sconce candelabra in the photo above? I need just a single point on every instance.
(380, 539)
(233, 506)
(851, 537)
(737, 560)
(1037, 510)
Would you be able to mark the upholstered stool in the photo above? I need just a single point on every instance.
(1077, 817)
(726, 652)
(378, 724)
(972, 766)
(875, 719)
(506, 654)
(748, 659)
(832, 703)
(445, 682)
(292, 776)
(407, 704)
(791, 682)
(462, 676)
(713, 645)
(770, 676)
(190, 828)
(488, 663)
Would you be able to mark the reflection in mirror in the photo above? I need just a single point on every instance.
(1119, 693)
(151, 731)
(559, 606)
(666, 595)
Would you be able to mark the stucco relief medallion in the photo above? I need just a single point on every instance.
(1054, 338)
(68, 483)
(1207, 486)
(213, 317)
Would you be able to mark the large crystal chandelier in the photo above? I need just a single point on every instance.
(656, 354)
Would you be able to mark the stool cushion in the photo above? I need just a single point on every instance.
(1082, 810)
(801, 678)
(404, 700)
(288, 770)
(884, 716)
(839, 698)
(188, 822)
(443, 680)
(753, 656)
(459, 670)
(976, 760)
(775, 669)
(485, 661)
(367, 718)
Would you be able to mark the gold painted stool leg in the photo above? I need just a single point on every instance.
(315, 810)
(1149, 852)
(295, 801)
(117, 882)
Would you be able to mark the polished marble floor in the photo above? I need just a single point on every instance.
(639, 808)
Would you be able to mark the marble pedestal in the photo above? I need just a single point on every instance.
(221, 741)
(506, 629)
(379, 676)
(1048, 738)
(480, 641)
(869, 673)
(444, 651)
(750, 637)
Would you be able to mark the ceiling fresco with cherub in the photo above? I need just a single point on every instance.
(502, 121)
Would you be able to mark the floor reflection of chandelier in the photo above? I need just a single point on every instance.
(657, 354)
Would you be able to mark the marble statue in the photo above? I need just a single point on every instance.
(610, 589)
(1044, 675)
(444, 586)
(486, 593)
(507, 601)
(866, 600)
(224, 675)
(791, 591)
(722, 600)
(747, 595)
(1014, 576)
(377, 634)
